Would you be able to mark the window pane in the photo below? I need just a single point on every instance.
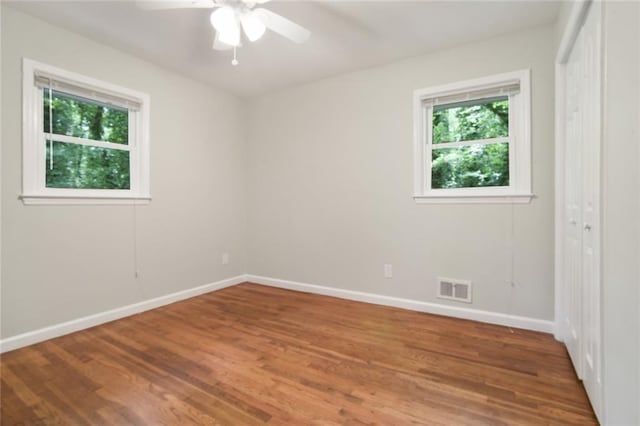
(82, 118)
(87, 167)
(470, 166)
(475, 120)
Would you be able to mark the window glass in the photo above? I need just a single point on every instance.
(477, 165)
(478, 162)
(88, 167)
(83, 118)
(73, 164)
(468, 121)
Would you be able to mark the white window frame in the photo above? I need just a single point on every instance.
(519, 189)
(34, 162)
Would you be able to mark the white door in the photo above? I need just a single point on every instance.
(581, 311)
(591, 368)
(573, 205)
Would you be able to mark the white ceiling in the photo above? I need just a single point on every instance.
(345, 35)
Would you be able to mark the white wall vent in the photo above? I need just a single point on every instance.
(454, 289)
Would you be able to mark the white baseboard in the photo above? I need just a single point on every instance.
(67, 327)
(414, 305)
(61, 329)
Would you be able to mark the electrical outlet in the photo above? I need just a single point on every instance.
(388, 270)
(225, 258)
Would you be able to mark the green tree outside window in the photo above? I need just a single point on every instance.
(472, 165)
(82, 166)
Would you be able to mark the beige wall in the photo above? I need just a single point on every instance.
(65, 262)
(330, 180)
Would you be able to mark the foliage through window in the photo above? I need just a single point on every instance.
(472, 140)
(72, 163)
(480, 131)
(82, 138)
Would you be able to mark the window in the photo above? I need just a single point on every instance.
(472, 141)
(84, 141)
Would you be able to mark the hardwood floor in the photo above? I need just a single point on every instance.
(251, 355)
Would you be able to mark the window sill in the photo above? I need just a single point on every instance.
(474, 199)
(76, 200)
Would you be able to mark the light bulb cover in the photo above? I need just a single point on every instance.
(253, 27)
(232, 38)
(223, 18)
(226, 23)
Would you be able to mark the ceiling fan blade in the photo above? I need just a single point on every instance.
(282, 25)
(251, 3)
(175, 4)
(219, 45)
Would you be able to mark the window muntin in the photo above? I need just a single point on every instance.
(84, 141)
(472, 140)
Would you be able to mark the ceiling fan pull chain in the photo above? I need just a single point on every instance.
(235, 60)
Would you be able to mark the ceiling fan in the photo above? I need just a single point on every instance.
(231, 18)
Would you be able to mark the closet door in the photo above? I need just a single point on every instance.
(573, 205)
(581, 320)
(591, 369)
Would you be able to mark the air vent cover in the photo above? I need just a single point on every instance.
(454, 289)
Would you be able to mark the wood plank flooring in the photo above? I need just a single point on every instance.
(253, 355)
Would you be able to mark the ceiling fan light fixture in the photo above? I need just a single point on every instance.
(232, 38)
(226, 23)
(253, 27)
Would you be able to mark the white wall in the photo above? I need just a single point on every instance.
(621, 213)
(65, 262)
(330, 180)
(564, 11)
